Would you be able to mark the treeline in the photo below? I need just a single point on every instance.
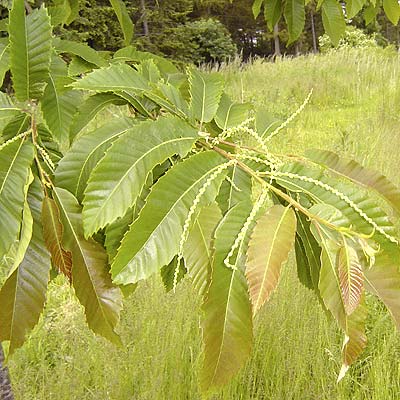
(202, 31)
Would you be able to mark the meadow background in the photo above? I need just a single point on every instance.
(354, 110)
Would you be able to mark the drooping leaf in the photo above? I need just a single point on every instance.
(119, 177)
(23, 295)
(25, 234)
(73, 11)
(168, 274)
(351, 276)
(230, 114)
(30, 50)
(256, 7)
(358, 174)
(113, 78)
(81, 50)
(227, 326)
(370, 13)
(383, 280)
(392, 10)
(205, 94)
(295, 17)
(124, 20)
(272, 12)
(308, 254)
(353, 7)
(53, 234)
(90, 276)
(89, 109)
(15, 161)
(74, 169)
(333, 20)
(272, 239)
(197, 251)
(355, 339)
(153, 239)
(236, 188)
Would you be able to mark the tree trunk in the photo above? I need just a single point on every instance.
(277, 51)
(5, 383)
(314, 37)
(144, 18)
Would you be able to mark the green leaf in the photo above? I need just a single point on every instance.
(124, 20)
(205, 94)
(117, 77)
(30, 50)
(89, 109)
(53, 234)
(4, 60)
(272, 239)
(227, 325)
(256, 7)
(73, 11)
(174, 96)
(358, 174)
(78, 66)
(197, 249)
(353, 7)
(344, 197)
(231, 114)
(119, 177)
(168, 274)
(58, 112)
(90, 275)
(308, 254)
(23, 295)
(236, 188)
(295, 17)
(333, 20)
(15, 161)
(7, 108)
(392, 10)
(19, 124)
(80, 49)
(75, 167)
(25, 234)
(153, 239)
(272, 12)
(370, 13)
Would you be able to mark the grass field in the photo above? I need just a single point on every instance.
(354, 110)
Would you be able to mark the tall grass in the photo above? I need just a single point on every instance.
(296, 355)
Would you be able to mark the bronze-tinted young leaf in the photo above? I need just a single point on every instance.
(358, 174)
(53, 233)
(197, 249)
(355, 339)
(351, 276)
(227, 326)
(269, 246)
(90, 275)
(23, 294)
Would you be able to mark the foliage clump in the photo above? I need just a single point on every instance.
(353, 38)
